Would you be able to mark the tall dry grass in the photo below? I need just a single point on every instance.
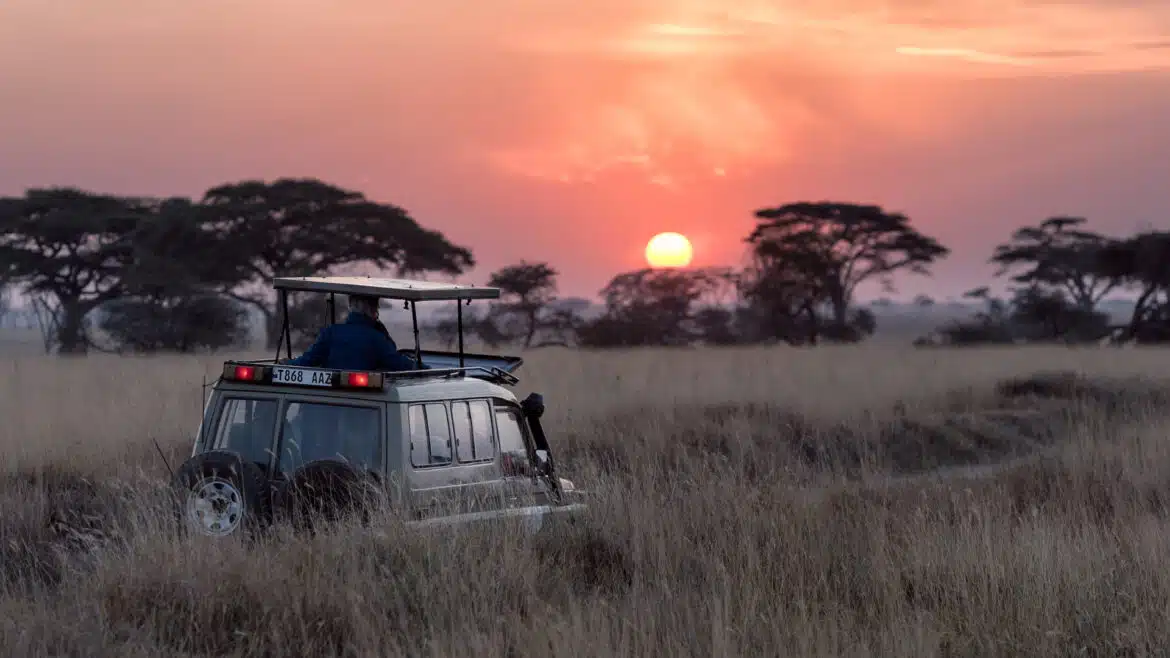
(844, 501)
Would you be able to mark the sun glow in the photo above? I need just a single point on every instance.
(669, 250)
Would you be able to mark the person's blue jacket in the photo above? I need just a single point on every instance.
(357, 344)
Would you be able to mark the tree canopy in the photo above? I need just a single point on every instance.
(77, 251)
(526, 289)
(73, 246)
(1057, 253)
(303, 227)
(807, 254)
(1142, 262)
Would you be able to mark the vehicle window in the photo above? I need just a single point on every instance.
(513, 451)
(430, 435)
(313, 431)
(473, 431)
(247, 427)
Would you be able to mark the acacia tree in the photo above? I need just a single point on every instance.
(1047, 313)
(1143, 262)
(1057, 254)
(831, 248)
(170, 299)
(656, 307)
(183, 324)
(781, 299)
(68, 248)
(526, 289)
(565, 317)
(303, 227)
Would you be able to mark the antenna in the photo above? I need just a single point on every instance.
(164, 457)
(203, 406)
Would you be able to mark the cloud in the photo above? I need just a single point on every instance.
(566, 91)
(1056, 54)
(964, 53)
(742, 84)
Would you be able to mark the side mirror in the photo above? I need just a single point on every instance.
(533, 409)
(533, 405)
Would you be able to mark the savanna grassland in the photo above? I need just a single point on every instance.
(851, 501)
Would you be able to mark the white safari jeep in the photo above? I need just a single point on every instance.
(447, 444)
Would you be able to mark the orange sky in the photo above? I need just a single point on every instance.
(573, 131)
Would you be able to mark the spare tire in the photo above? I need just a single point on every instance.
(220, 495)
(326, 489)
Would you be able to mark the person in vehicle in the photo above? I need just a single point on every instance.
(360, 343)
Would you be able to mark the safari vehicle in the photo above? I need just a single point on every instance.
(449, 442)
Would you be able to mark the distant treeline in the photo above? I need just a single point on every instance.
(139, 274)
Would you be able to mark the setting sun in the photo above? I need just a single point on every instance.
(669, 250)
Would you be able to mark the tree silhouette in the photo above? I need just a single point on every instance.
(991, 325)
(655, 307)
(169, 287)
(181, 324)
(304, 227)
(526, 289)
(834, 247)
(1058, 254)
(781, 299)
(175, 253)
(1143, 262)
(1047, 313)
(68, 248)
(564, 320)
(996, 309)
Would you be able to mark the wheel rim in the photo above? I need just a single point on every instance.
(215, 507)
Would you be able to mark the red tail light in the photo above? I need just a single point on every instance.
(243, 373)
(371, 380)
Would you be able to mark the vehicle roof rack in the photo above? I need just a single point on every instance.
(409, 290)
(404, 289)
(486, 373)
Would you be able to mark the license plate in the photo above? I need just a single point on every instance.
(302, 377)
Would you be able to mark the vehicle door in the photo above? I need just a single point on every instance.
(452, 458)
(521, 485)
(244, 423)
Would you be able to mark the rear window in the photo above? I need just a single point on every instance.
(313, 431)
(247, 426)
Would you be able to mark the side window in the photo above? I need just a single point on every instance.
(513, 451)
(345, 433)
(430, 435)
(473, 431)
(247, 426)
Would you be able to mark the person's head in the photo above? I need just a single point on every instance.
(365, 305)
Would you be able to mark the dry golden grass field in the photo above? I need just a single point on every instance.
(847, 501)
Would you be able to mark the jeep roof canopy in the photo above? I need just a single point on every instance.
(405, 289)
(409, 290)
